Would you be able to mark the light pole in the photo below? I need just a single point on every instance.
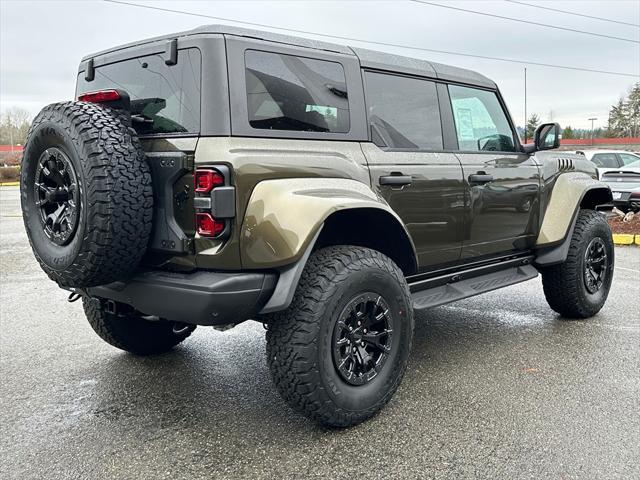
(592, 120)
(525, 104)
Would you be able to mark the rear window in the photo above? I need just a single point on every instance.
(165, 99)
(605, 160)
(286, 92)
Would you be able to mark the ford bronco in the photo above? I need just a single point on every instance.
(222, 174)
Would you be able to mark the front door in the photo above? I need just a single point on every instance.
(502, 183)
(423, 184)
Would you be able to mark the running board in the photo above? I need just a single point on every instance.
(452, 292)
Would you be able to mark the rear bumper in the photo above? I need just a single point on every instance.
(200, 298)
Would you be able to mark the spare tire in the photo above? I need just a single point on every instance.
(86, 194)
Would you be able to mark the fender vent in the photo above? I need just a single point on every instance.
(565, 164)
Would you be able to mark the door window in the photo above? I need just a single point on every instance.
(481, 123)
(403, 111)
(286, 92)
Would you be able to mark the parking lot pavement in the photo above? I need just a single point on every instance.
(497, 387)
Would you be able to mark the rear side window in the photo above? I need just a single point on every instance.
(165, 99)
(605, 160)
(481, 124)
(403, 111)
(286, 92)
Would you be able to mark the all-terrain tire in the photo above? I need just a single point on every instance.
(130, 332)
(565, 287)
(112, 193)
(300, 351)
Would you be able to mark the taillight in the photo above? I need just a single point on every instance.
(214, 201)
(101, 96)
(206, 180)
(208, 226)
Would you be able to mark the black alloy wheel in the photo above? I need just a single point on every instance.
(595, 265)
(56, 195)
(362, 338)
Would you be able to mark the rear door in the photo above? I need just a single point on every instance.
(165, 98)
(502, 183)
(409, 167)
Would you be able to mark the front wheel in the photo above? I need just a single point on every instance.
(339, 352)
(578, 287)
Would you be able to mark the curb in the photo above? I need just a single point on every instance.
(9, 184)
(625, 239)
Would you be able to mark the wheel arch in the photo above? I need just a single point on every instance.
(287, 220)
(571, 192)
(372, 228)
(285, 217)
(595, 196)
(575, 192)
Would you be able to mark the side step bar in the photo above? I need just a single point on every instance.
(451, 292)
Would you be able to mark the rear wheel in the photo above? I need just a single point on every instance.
(129, 331)
(339, 352)
(578, 288)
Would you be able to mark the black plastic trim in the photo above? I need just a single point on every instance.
(171, 52)
(417, 285)
(166, 169)
(288, 281)
(199, 298)
(223, 202)
(469, 287)
(558, 253)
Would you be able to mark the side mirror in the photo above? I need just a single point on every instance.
(547, 136)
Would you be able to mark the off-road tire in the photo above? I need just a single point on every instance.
(115, 194)
(130, 332)
(299, 339)
(564, 285)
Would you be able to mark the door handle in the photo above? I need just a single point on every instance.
(395, 180)
(480, 178)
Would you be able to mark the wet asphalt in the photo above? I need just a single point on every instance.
(497, 387)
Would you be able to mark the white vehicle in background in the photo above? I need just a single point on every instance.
(625, 186)
(609, 160)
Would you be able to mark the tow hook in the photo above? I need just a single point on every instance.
(179, 328)
(74, 297)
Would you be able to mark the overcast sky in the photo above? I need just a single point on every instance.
(42, 43)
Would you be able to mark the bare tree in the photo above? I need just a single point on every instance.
(14, 125)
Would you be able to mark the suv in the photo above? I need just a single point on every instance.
(223, 174)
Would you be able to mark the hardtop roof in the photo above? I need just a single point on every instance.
(368, 58)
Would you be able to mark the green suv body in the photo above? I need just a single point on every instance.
(320, 189)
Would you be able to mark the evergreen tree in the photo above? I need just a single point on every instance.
(624, 116)
(532, 123)
(567, 133)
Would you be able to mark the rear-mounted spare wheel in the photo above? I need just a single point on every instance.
(86, 194)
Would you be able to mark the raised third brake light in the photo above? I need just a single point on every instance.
(100, 96)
